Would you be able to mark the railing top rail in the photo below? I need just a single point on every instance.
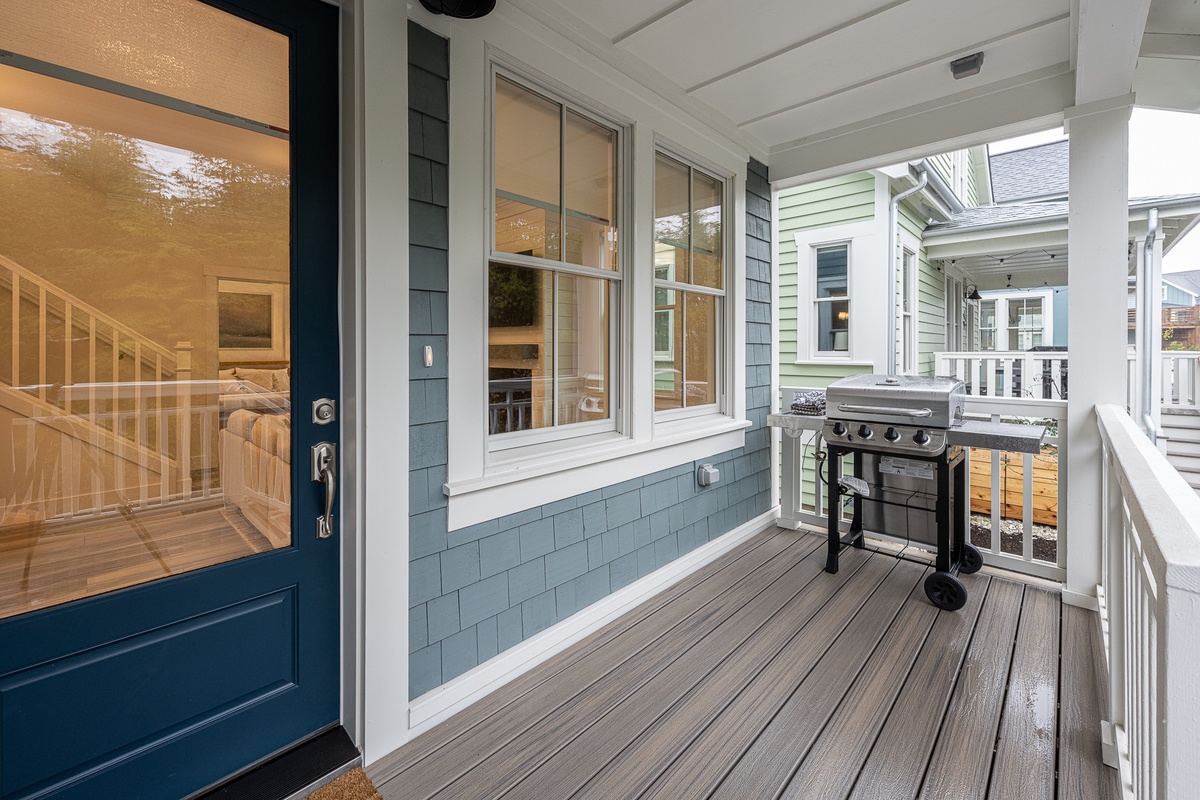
(91, 311)
(1016, 406)
(1161, 504)
(1034, 354)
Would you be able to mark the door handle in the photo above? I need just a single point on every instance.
(324, 470)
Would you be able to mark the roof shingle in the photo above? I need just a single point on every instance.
(1030, 173)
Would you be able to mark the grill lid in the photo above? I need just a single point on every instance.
(900, 399)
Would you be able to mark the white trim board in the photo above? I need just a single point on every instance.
(443, 702)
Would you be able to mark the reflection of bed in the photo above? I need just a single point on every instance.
(255, 448)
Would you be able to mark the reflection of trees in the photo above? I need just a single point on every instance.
(122, 225)
(514, 299)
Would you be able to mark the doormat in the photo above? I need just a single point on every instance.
(354, 785)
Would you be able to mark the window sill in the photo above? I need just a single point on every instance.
(598, 462)
(847, 361)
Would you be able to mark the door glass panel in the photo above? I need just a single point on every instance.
(145, 398)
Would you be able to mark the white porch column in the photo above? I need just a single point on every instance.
(1097, 270)
(1149, 278)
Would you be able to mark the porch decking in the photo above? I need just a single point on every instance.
(763, 676)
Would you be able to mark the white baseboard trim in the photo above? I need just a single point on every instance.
(1080, 600)
(443, 702)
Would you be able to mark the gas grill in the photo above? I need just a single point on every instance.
(909, 478)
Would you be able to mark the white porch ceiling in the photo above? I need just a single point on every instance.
(823, 87)
(794, 73)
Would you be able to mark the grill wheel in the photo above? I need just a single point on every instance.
(946, 591)
(972, 559)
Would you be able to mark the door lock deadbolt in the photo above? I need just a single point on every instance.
(324, 411)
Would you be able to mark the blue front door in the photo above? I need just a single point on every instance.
(168, 281)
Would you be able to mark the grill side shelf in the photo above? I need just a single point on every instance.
(1007, 436)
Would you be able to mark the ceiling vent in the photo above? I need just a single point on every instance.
(461, 9)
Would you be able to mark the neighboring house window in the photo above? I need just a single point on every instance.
(954, 314)
(987, 325)
(554, 274)
(832, 299)
(1015, 320)
(1024, 323)
(908, 330)
(689, 285)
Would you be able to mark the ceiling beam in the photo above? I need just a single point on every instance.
(1170, 45)
(1024, 104)
(1109, 36)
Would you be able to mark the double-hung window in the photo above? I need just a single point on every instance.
(554, 271)
(832, 299)
(689, 285)
(1024, 323)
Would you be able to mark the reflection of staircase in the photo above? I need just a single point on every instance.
(97, 415)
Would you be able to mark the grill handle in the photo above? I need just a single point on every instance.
(899, 412)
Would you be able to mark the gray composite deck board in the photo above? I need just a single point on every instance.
(559, 679)
(763, 676)
(768, 764)
(636, 629)
(913, 722)
(684, 656)
(592, 751)
(1081, 773)
(962, 758)
(1027, 750)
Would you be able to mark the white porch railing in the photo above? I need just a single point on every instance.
(1180, 378)
(1150, 609)
(803, 499)
(1007, 373)
(1003, 374)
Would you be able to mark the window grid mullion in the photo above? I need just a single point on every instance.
(683, 365)
(554, 339)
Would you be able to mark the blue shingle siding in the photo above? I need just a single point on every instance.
(478, 591)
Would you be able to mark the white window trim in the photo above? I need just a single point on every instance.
(870, 297)
(497, 443)
(481, 483)
(816, 301)
(724, 342)
(1002, 298)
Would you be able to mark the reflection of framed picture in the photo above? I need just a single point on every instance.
(252, 321)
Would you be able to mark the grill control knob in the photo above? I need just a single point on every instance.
(865, 432)
(839, 429)
(891, 434)
(921, 438)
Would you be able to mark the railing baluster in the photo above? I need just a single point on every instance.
(91, 403)
(160, 434)
(41, 378)
(16, 330)
(140, 425)
(68, 361)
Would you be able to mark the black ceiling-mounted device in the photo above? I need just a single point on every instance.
(461, 9)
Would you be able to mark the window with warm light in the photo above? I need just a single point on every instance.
(689, 285)
(554, 274)
(832, 299)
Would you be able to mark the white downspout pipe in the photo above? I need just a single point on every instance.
(1148, 345)
(893, 224)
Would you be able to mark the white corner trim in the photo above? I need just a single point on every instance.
(1080, 600)
(440, 704)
